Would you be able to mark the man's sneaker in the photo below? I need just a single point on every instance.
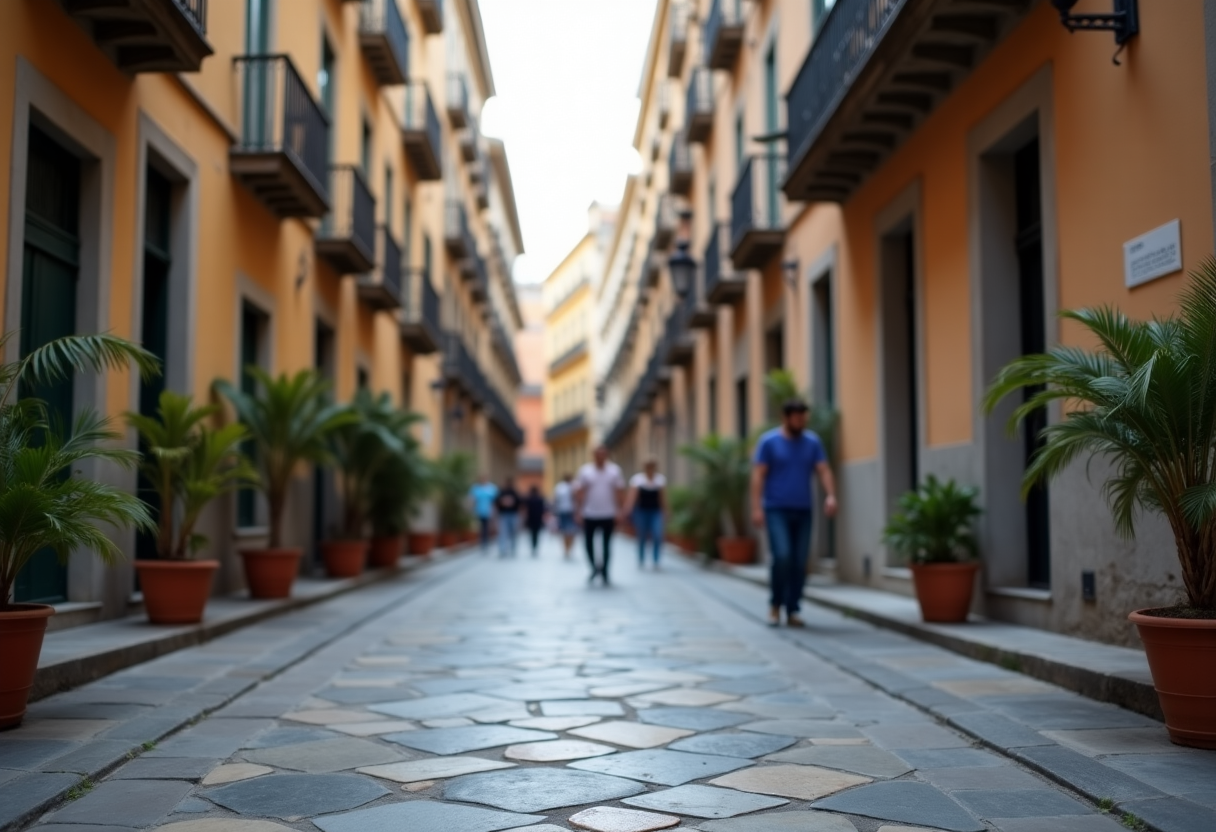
(792, 620)
(774, 617)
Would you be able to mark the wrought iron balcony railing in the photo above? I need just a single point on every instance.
(431, 12)
(281, 153)
(665, 222)
(456, 234)
(347, 236)
(381, 288)
(385, 41)
(458, 100)
(421, 132)
(757, 221)
(420, 328)
(147, 35)
(724, 33)
(722, 283)
(677, 42)
(699, 106)
(679, 166)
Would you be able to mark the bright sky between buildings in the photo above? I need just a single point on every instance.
(566, 73)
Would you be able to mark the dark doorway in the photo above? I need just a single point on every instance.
(712, 404)
(823, 373)
(255, 325)
(1032, 323)
(900, 377)
(741, 407)
(324, 362)
(50, 272)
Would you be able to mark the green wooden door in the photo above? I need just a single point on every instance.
(50, 268)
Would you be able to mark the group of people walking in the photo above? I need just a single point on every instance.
(598, 498)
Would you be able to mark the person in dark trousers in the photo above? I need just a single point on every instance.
(786, 457)
(646, 505)
(507, 505)
(534, 516)
(599, 496)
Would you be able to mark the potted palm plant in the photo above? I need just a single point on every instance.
(1145, 399)
(724, 478)
(43, 504)
(289, 419)
(187, 465)
(453, 479)
(934, 531)
(360, 447)
(397, 488)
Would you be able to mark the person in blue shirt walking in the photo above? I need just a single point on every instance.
(784, 461)
(484, 493)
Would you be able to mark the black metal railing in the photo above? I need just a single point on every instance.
(456, 234)
(420, 116)
(722, 14)
(432, 15)
(665, 221)
(382, 17)
(458, 99)
(699, 101)
(196, 12)
(390, 263)
(847, 38)
(420, 302)
(677, 43)
(717, 262)
(352, 210)
(756, 202)
(478, 275)
(679, 166)
(279, 115)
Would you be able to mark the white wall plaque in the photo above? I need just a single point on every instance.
(1153, 255)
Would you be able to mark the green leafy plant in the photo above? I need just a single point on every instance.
(687, 517)
(780, 386)
(289, 420)
(188, 464)
(453, 479)
(43, 501)
(1145, 399)
(361, 447)
(401, 484)
(934, 523)
(723, 480)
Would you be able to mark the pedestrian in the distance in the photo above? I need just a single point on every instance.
(534, 516)
(646, 503)
(563, 507)
(599, 497)
(483, 494)
(782, 497)
(507, 505)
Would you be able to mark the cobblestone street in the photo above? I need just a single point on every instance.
(504, 694)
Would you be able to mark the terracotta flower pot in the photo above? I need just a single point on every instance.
(449, 539)
(421, 543)
(737, 550)
(344, 558)
(385, 551)
(21, 629)
(176, 591)
(944, 590)
(1181, 654)
(468, 536)
(270, 572)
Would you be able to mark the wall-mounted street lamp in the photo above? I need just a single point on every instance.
(683, 267)
(1124, 21)
(789, 272)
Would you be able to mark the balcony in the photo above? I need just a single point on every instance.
(570, 426)
(477, 276)
(722, 283)
(457, 237)
(573, 353)
(724, 33)
(677, 41)
(421, 133)
(458, 100)
(431, 12)
(665, 97)
(481, 187)
(680, 342)
(281, 155)
(420, 329)
(470, 143)
(346, 239)
(875, 71)
(699, 108)
(679, 166)
(381, 289)
(757, 222)
(652, 266)
(384, 41)
(665, 222)
(459, 368)
(146, 35)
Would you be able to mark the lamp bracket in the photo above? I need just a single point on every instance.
(1124, 21)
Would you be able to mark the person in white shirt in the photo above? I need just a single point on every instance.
(563, 507)
(599, 497)
(646, 503)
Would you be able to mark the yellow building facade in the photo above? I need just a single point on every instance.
(892, 201)
(288, 183)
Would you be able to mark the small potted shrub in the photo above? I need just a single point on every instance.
(397, 487)
(453, 479)
(187, 464)
(1145, 399)
(682, 522)
(43, 504)
(723, 481)
(934, 531)
(289, 419)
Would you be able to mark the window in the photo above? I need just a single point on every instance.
(388, 198)
(255, 336)
(365, 151)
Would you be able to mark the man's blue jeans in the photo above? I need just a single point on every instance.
(508, 529)
(789, 544)
(483, 524)
(648, 522)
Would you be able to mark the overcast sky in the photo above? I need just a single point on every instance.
(566, 73)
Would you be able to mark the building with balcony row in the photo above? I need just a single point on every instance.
(260, 182)
(892, 199)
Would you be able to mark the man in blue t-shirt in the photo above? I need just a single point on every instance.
(483, 494)
(784, 461)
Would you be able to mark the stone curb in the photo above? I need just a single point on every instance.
(18, 810)
(71, 672)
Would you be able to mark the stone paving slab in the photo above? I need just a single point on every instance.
(613, 819)
(423, 815)
(667, 768)
(538, 789)
(705, 802)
